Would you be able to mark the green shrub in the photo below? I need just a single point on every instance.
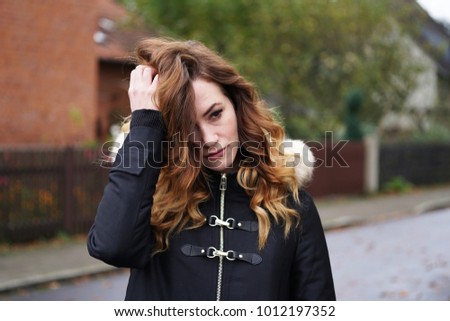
(397, 184)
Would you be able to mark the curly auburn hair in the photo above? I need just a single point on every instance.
(181, 184)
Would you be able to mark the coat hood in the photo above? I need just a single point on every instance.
(300, 156)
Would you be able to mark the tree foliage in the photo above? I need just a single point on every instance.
(304, 55)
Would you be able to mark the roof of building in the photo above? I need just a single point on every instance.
(436, 41)
(433, 36)
(114, 37)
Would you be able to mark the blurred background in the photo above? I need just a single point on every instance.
(365, 83)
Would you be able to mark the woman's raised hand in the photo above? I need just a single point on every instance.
(143, 84)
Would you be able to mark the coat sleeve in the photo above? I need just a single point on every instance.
(311, 270)
(121, 234)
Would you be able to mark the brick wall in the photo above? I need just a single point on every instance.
(113, 95)
(48, 78)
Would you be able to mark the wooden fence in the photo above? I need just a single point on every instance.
(338, 170)
(46, 191)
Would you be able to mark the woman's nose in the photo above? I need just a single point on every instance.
(208, 136)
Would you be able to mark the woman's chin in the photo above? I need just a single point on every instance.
(218, 166)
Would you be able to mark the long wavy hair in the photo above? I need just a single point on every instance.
(182, 184)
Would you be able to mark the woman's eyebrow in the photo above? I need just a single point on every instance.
(209, 109)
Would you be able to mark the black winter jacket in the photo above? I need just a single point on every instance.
(197, 266)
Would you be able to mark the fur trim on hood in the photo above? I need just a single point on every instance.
(300, 156)
(117, 144)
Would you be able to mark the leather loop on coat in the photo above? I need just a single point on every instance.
(231, 223)
(212, 252)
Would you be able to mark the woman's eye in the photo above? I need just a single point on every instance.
(216, 114)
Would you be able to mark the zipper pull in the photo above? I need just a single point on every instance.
(223, 182)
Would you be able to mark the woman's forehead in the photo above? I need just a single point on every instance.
(207, 94)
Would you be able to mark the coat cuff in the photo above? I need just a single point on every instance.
(147, 118)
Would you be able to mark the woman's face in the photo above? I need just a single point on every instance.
(216, 132)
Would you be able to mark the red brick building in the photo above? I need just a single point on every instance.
(114, 46)
(63, 72)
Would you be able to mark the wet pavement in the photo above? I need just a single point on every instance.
(406, 259)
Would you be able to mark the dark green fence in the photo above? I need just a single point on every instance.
(420, 164)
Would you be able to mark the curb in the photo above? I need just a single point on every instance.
(55, 276)
(420, 209)
(433, 205)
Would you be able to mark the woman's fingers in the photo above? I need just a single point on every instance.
(153, 87)
(143, 84)
(146, 76)
(154, 84)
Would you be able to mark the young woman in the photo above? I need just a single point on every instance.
(202, 202)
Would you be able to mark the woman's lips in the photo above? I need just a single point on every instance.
(217, 154)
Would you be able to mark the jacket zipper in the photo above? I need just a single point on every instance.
(223, 188)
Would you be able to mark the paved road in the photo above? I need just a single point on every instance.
(407, 259)
(103, 287)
